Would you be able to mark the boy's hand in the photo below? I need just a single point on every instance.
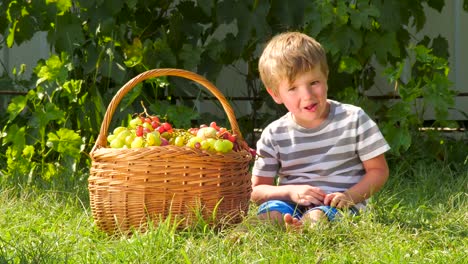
(338, 200)
(306, 195)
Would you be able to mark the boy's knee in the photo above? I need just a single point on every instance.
(274, 216)
(315, 216)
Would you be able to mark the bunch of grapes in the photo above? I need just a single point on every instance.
(146, 131)
(140, 132)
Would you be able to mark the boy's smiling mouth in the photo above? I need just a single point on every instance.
(312, 107)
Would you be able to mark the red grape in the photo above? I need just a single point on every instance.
(139, 131)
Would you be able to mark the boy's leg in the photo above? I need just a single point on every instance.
(326, 213)
(313, 217)
(278, 211)
(275, 217)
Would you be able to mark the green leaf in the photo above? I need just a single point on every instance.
(344, 40)
(399, 138)
(18, 103)
(341, 14)
(399, 110)
(215, 48)
(53, 70)
(391, 17)
(364, 16)
(436, 4)
(440, 47)
(134, 53)
(113, 6)
(164, 53)
(28, 152)
(16, 136)
(318, 14)
(206, 6)
(190, 56)
(11, 35)
(51, 112)
(393, 73)
(410, 92)
(382, 44)
(179, 115)
(130, 97)
(67, 35)
(72, 89)
(437, 93)
(251, 24)
(65, 141)
(62, 5)
(349, 65)
(285, 13)
(423, 54)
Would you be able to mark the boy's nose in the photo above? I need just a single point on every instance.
(307, 92)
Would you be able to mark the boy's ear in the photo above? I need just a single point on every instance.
(275, 97)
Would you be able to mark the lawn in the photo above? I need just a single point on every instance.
(421, 216)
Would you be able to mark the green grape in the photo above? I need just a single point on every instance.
(124, 134)
(191, 142)
(129, 139)
(153, 139)
(166, 135)
(206, 132)
(223, 145)
(138, 142)
(179, 141)
(135, 122)
(117, 143)
(148, 126)
(119, 129)
(208, 144)
(111, 137)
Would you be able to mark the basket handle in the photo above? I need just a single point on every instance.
(101, 141)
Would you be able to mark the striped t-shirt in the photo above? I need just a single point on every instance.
(329, 156)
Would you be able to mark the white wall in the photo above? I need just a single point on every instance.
(451, 23)
(27, 53)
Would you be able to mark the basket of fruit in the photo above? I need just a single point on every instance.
(148, 171)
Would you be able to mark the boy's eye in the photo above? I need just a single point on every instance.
(314, 83)
(291, 89)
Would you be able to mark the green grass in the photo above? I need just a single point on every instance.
(419, 217)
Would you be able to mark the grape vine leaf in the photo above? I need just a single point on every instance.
(17, 136)
(65, 141)
(190, 56)
(382, 44)
(436, 4)
(42, 117)
(52, 70)
(18, 103)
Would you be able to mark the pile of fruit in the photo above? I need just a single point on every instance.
(147, 130)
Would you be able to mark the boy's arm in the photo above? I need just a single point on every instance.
(261, 186)
(376, 176)
(264, 189)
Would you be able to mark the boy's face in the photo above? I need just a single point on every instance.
(305, 97)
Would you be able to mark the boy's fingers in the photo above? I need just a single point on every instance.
(327, 200)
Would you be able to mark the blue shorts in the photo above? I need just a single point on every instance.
(297, 211)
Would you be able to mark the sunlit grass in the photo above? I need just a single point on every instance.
(419, 217)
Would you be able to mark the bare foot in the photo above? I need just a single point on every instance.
(315, 217)
(291, 222)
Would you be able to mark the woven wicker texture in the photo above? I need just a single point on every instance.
(129, 187)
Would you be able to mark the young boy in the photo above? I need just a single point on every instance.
(328, 156)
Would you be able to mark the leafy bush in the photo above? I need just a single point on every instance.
(99, 45)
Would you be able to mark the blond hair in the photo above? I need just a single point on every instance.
(288, 54)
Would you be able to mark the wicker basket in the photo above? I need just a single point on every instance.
(129, 187)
